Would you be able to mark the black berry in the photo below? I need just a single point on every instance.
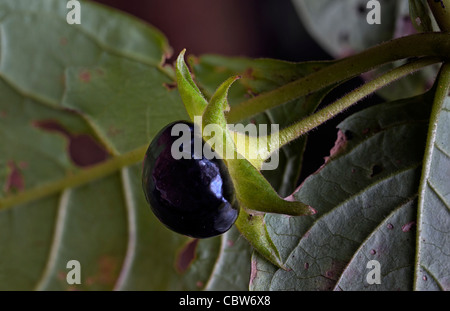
(194, 195)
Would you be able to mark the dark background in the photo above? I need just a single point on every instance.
(252, 28)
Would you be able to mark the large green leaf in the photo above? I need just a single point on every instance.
(231, 269)
(341, 28)
(66, 91)
(366, 198)
(432, 261)
(103, 84)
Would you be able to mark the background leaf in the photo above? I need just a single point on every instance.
(339, 36)
(366, 198)
(341, 29)
(67, 91)
(232, 268)
(421, 17)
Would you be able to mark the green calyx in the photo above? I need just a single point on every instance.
(244, 156)
(252, 189)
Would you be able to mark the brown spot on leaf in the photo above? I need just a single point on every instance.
(108, 267)
(63, 41)
(113, 131)
(14, 180)
(329, 274)
(334, 272)
(90, 281)
(85, 151)
(85, 76)
(248, 73)
(407, 227)
(62, 275)
(106, 273)
(186, 256)
(82, 148)
(170, 86)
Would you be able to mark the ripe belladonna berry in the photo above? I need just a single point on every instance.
(192, 195)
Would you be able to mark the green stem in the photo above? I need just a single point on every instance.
(442, 91)
(294, 131)
(79, 178)
(425, 44)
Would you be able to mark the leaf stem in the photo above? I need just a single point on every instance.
(441, 93)
(424, 44)
(73, 180)
(296, 130)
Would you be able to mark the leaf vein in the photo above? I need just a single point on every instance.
(438, 195)
(130, 206)
(56, 243)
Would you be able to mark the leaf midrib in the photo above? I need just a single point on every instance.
(441, 93)
(81, 177)
(130, 205)
(56, 242)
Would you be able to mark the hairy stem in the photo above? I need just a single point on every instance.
(425, 44)
(294, 131)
